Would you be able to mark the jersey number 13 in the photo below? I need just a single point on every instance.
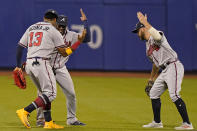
(35, 38)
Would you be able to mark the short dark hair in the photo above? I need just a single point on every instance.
(51, 14)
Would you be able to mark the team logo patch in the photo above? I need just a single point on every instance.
(63, 19)
(67, 43)
(152, 48)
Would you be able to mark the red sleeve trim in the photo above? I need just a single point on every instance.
(75, 45)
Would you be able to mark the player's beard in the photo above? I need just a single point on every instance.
(142, 36)
(62, 31)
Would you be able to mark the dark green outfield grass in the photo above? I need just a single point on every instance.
(104, 104)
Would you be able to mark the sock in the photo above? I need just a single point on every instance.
(47, 115)
(156, 106)
(30, 107)
(180, 105)
(36, 104)
(47, 112)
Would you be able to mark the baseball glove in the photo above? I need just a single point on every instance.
(19, 78)
(148, 87)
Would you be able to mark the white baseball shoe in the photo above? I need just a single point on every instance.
(184, 126)
(153, 124)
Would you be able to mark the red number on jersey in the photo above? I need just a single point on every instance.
(31, 38)
(152, 48)
(37, 38)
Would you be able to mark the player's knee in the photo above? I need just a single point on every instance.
(72, 96)
(50, 96)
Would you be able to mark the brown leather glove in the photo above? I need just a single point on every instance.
(19, 78)
(148, 87)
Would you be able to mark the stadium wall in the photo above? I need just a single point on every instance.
(113, 46)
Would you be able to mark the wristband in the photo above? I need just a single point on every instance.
(68, 51)
(155, 34)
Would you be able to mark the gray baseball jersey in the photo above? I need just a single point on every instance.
(59, 61)
(64, 79)
(41, 39)
(161, 53)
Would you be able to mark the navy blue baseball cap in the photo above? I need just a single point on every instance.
(51, 14)
(62, 20)
(137, 27)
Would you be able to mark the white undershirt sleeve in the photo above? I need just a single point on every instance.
(155, 34)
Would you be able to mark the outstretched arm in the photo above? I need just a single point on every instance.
(19, 54)
(69, 50)
(85, 24)
(154, 72)
(154, 33)
(19, 77)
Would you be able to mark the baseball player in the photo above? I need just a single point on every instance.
(165, 58)
(62, 75)
(41, 39)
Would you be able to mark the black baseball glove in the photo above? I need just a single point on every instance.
(148, 87)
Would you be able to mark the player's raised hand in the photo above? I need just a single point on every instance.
(83, 16)
(82, 36)
(143, 19)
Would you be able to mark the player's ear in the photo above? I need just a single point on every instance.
(54, 19)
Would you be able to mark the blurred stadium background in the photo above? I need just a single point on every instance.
(113, 46)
